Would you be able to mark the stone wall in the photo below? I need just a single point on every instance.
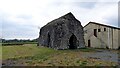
(57, 33)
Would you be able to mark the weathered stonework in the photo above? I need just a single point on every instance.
(65, 32)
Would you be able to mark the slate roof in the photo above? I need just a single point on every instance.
(103, 25)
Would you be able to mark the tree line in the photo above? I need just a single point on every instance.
(17, 42)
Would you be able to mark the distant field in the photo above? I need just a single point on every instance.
(31, 54)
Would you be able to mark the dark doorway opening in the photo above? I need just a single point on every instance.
(73, 42)
(48, 39)
(89, 44)
(119, 48)
(107, 47)
(95, 32)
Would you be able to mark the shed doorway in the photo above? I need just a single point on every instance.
(89, 44)
(73, 42)
(119, 48)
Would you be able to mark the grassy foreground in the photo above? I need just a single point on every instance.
(24, 51)
(31, 54)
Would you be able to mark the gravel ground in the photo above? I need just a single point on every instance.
(104, 55)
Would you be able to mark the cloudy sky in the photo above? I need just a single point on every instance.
(22, 19)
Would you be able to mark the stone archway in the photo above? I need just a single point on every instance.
(73, 42)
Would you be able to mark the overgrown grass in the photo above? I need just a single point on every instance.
(32, 51)
(79, 50)
(0, 51)
(87, 49)
(25, 51)
(31, 54)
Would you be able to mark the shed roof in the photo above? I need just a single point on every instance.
(103, 25)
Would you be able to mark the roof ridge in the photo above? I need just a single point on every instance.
(103, 25)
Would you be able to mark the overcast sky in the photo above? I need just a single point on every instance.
(22, 19)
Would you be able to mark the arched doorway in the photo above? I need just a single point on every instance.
(73, 42)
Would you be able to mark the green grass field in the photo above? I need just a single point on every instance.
(0, 51)
(31, 54)
(24, 51)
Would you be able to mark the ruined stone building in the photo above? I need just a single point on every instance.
(65, 32)
(98, 35)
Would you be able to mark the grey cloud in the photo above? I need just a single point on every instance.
(19, 31)
(25, 16)
(113, 21)
(88, 5)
